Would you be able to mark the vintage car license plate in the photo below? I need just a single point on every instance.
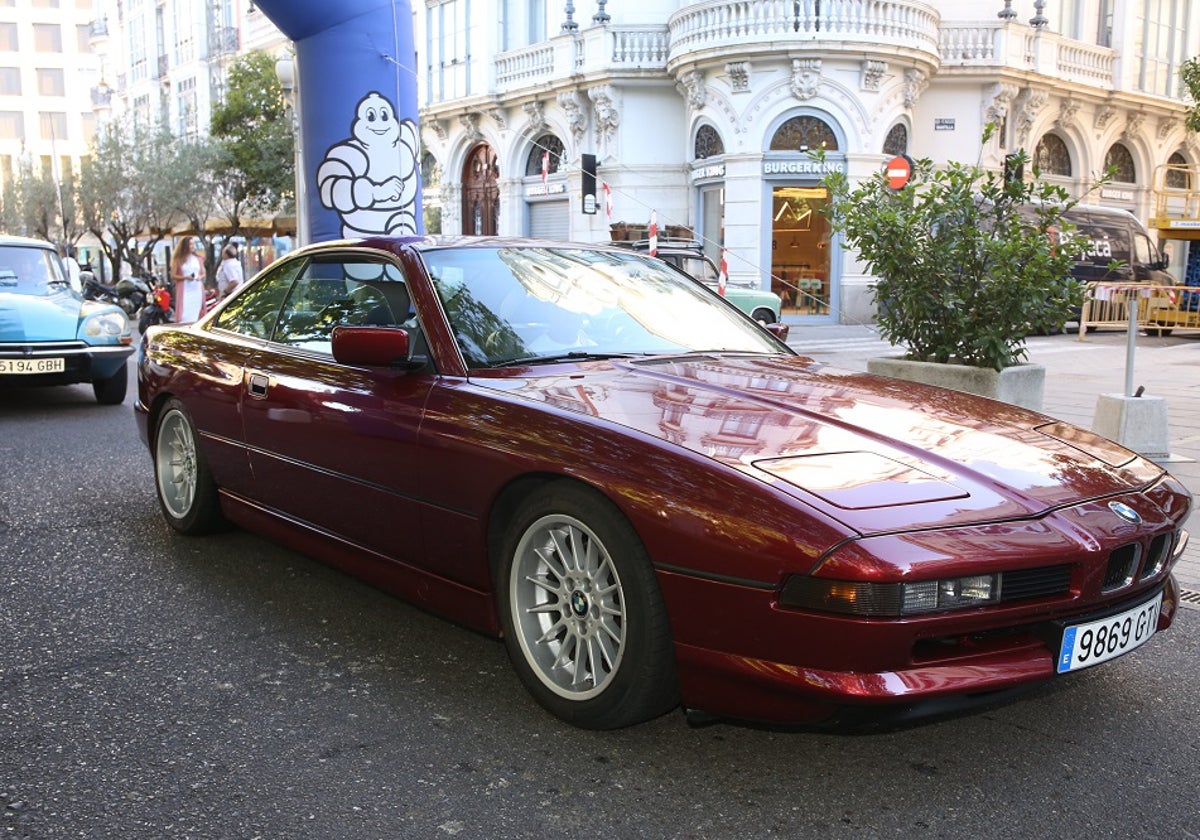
(1089, 644)
(50, 365)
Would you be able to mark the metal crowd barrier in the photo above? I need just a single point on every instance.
(1161, 310)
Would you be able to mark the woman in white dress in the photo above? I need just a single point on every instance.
(187, 270)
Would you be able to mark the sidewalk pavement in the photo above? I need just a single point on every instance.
(1077, 372)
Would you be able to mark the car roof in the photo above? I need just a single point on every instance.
(26, 242)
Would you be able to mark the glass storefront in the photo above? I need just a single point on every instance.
(800, 253)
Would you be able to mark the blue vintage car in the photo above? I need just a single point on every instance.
(50, 335)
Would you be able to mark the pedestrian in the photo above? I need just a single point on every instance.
(229, 272)
(72, 266)
(187, 270)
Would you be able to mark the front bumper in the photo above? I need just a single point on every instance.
(980, 668)
(81, 362)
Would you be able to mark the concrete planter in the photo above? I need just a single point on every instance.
(1022, 385)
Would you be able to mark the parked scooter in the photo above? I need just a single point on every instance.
(158, 309)
(133, 292)
(93, 289)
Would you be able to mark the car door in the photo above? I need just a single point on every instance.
(220, 355)
(332, 445)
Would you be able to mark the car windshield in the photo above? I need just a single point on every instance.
(525, 304)
(31, 271)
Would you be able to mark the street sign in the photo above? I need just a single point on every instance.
(898, 171)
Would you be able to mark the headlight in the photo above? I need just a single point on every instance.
(108, 324)
(890, 599)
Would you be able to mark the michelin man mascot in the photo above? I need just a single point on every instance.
(370, 179)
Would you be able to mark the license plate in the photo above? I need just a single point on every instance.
(52, 365)
(1084, 645)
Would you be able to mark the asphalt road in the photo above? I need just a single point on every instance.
(163, 687)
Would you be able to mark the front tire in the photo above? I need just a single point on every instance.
(186, 490)
(111, 390)
(583, 616)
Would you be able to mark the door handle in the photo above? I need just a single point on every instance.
(258, 385)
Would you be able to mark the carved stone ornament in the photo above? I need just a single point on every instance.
(1031, 103)
(1133, 125)
(439, 129)
(536, 115)
(605, 110)
(1002, 99)
(1068, 112)
(470, 124)
(915, 82)
(806, 77)
(572, 104)
(1166, 125)
(739, 75)
(872, 74)
(1104, 115)
(695, 91)
(500, 116)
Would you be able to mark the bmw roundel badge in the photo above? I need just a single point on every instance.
(1125, 512)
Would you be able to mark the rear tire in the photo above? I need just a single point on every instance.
(764, 316)
(112, 390)
(186, 490)
(583, 617)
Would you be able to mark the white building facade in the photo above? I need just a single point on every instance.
(48, 74)
(706, 113)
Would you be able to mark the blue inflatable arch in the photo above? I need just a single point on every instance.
(357, 89)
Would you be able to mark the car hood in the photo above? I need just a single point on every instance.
(875, 453)
(29, 318)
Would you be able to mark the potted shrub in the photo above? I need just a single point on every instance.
(968, 263)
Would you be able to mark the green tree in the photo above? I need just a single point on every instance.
(968, 262)
(129, 188)
(253, 129)
(1189, 72)
(196, 186)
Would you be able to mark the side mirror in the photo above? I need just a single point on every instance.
(779, 329)
(371, 346)
(1164, 260)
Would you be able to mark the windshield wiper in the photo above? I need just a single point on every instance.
(570, 356)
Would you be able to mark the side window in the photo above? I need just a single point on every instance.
(253, 312)
(1143, 250)
(328, 294)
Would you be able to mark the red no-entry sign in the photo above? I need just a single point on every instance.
(898, 171)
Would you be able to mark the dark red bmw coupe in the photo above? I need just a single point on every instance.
(646, 494)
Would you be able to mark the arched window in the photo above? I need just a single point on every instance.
(1120, 159)
(708, 143)
(896, 142)
(1051, 157)
(1177, 179)
(801, 134)
(545, 143)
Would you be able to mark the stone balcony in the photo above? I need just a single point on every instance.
(987, 47)
(716, 31)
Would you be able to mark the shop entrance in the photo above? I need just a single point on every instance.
(800, 258)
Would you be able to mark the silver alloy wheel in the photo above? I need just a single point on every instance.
(175, 464)
(567, 606)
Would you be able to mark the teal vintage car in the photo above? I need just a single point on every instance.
(51, 335)
(686, 255)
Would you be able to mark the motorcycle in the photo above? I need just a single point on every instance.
(133, 292)
(158, 309)
(93, 289)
